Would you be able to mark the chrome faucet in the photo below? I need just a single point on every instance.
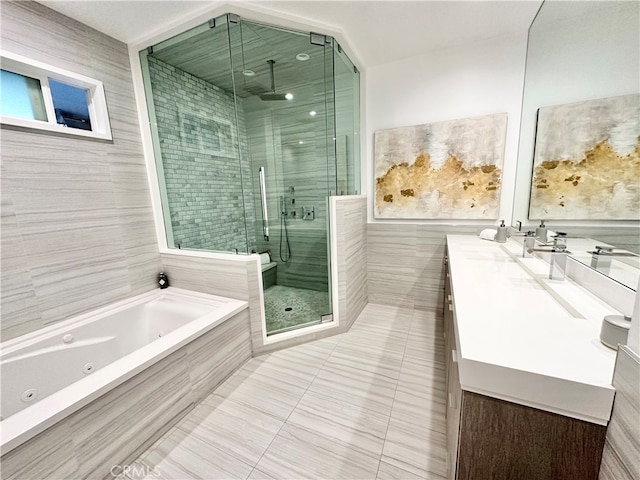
(558, 257)
(560, 240)
(609, 252)
(558, 264)
(602, 256)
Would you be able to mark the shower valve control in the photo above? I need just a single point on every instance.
(308, 213)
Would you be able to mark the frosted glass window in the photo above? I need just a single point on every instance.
(70, 105)
(21, 97)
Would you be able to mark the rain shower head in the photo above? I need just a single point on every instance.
(272, 95)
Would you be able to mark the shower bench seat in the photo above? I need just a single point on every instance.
(269, 274)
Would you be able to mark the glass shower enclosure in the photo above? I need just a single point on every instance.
(254, 127)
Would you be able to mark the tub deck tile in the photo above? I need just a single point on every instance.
(158, 395)
(219, 353)
(49, 455)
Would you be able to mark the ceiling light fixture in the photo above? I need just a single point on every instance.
(313, 113)
(300, 142)
(288, 96)
(303, 57)
(248, 73)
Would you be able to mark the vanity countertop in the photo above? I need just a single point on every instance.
(527, 339)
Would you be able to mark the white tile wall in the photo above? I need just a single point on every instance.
(351, 248)
(621, 456)
(405, 263)
(77, 227)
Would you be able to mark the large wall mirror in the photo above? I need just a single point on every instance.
(583, 74)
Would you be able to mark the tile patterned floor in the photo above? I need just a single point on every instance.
(367, 404)
(305, 307)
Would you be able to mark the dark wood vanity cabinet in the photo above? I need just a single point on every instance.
(454, 391)
(489, 438)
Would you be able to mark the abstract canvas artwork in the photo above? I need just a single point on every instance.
(587, 161)
(450, 169)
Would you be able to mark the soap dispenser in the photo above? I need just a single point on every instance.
(541, 232)
(501, 235)
(163, 280)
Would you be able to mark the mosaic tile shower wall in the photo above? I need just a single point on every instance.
(203, 176)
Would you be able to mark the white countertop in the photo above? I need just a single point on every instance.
(527, 339)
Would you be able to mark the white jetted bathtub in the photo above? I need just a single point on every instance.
(48, 374)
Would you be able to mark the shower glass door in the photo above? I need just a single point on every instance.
(283, 83)
(254, 127)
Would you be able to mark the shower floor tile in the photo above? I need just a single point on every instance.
(287, 308)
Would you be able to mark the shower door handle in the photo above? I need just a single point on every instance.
(263, 198)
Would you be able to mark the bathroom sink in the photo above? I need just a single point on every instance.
(524, 338)
(575, 299)
(503, 286)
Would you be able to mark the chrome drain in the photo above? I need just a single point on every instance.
(88, 368)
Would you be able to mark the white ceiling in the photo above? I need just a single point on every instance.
(378, 32)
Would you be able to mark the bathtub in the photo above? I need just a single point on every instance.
(49, 374)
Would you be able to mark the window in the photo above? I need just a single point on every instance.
(36, 95)
(22, 97)
(71, 105)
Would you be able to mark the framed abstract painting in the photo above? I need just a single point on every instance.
(450, 169)
(586, 163)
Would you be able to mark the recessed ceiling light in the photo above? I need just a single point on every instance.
(313, 113)
(288, 96)
(248, 73)
(303, 57)
(300, 142)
